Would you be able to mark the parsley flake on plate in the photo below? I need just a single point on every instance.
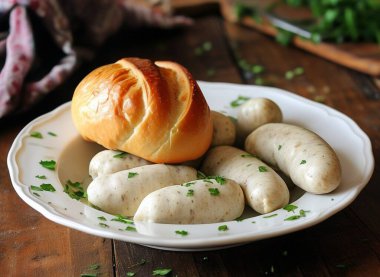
(182, 232)
(290, 208)
(48, 164)
(223, 228)
(36, 134)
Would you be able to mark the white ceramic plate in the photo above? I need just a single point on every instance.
(72, 155)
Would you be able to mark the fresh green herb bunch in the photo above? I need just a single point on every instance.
(343, 20)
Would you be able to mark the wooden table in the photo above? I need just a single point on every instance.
(346, 244)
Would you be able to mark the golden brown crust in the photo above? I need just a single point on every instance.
(155, 111)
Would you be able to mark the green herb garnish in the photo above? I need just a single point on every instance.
(102, 218)
(293, 217)
(130, 274)
(35, 188)
(48, 164)
(120, 155)
(214, 191)
(239, 101)
(223, 228)
(36, 135)
(220, 180)
(43, 187)
(47, 187)
(40, 177)
(303, 162)
(269, 216)
(130, 228)
(75, 190)
(123, 219)
(132, 174)
(190, 192)
(161, 271)
(290, 208)
(182, 232)
(52, 134)
(279, 147)
(263, 168)
(101, 224)
(188, 184)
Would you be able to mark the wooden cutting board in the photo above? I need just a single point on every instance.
(363, 57)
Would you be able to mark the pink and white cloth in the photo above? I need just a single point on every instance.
(69, 23)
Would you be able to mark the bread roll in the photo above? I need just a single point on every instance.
(153, 110)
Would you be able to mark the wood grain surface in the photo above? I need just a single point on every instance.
(347, 244)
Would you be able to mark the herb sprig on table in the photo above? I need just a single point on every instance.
(334, 20)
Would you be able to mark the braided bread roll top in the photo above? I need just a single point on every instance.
(153, 110)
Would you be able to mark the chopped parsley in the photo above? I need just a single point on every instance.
(290, 208)
(101, 224)
(102, 218)
(75, 190)
(182, 232)
(188, 184)
(293, 217)
(132, 174)
(130, 228)
(36, 194)
(263, 168)
(219, 179)
(130, 274)
(302, 213)
(36, 188)
(161, 271)
(47, 187)
(120, 155)
(303, 162)
(190, 192)
(36, 135)
(123, 219)
(48, 164)
(40, 176)
(214, 191)
(52, 134)
(43, 187)
(279, 147)
(270, 216)
(223, 228)
(239, 101)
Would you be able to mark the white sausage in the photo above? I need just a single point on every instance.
(254, 113)
(200, 201)
(301, 154)
(122, 192)
(110, 161)
(224, 130)
(264, 189)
